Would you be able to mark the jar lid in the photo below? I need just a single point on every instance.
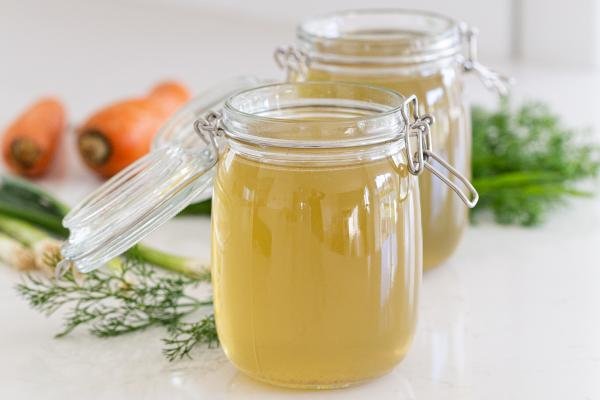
(386, 36)
(150, 191)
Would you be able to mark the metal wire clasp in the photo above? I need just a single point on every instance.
(209, 128)
(419, 130)
(490, 78)
(292, 60)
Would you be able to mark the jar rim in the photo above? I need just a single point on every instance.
(386, 35)
(275, 115)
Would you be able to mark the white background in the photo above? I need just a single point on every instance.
(115, 48)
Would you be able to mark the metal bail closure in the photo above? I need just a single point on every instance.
(140, 198)
(419, 130)
(293, 61)
(491, 79)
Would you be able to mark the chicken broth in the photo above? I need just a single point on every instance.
(316, 270)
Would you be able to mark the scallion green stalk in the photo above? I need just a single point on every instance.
(182, 265)
(21, 231)
(46, 249)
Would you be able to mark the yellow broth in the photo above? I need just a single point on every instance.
(316, 269)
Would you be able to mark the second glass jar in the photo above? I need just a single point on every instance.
(411, 52)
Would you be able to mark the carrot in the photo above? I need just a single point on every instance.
(119, 134)
(30, 143)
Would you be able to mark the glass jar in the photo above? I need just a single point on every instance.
(412, 52)
(316, 234)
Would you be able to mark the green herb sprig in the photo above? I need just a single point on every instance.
(115, 301)
(525, 162)
(184, 336)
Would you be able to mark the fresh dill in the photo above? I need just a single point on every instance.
(184, 336)
(124, 298)
(525, 161)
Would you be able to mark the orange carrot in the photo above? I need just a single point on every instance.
(119, 134)
(30, 143)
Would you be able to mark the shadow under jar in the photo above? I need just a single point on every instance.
(411, 52)
(316, 233)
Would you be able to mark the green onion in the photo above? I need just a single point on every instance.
(33, 217)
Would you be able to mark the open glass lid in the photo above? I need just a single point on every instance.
(152, 190)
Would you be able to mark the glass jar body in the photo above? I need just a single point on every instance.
(316, 269)
(414, 53)
(444, 217)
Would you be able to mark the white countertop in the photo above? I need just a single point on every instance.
(515, 314)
